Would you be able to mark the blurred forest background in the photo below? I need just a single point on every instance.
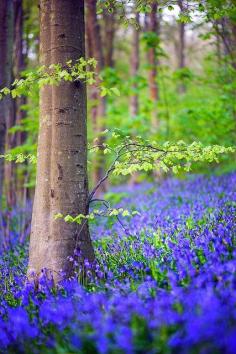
(171, 67)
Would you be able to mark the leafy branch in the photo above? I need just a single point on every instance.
(137, 154)
(54, 74)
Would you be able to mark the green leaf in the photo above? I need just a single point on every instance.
(115, 91)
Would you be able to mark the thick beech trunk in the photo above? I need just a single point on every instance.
(134, 104)
(61, 183)
(6, 51)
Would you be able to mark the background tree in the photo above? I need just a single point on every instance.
(99, 108)
(109, 22)
(16, 114)
(135, 58)
(20, 58)
(6, 55)
(153, 42)
(182, 40)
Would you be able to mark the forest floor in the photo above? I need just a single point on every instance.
(165, 280)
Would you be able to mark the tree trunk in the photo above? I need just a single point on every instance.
(99, 112)
(152, 61)
(182, 63)
(109, 24)
(19, 66)
(226, 30)
(218, 45)
(181, 39)
(3, 51)
(134, 104)
(13, 140)
(6, 50)
(61, 182)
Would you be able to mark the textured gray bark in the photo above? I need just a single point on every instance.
(61, 184)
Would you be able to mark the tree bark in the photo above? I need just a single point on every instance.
(19, 65)
(226, 31)
(13, 140)
(6, 51)
(134, 104)
(109, 24)
(152, 26)
(181, 38)
(99, 111)
(61, 183)
(182, 60)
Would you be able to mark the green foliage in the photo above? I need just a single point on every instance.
(133, 155)
(20, 158)
(109, 212)
(204, 111)
(52, 75)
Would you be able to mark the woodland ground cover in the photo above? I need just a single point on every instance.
(165, 280)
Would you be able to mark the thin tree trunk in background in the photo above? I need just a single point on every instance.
(181, 38)
(135, 62)
(182, 60)
(92, 89)
(134, 104)
(109, 24)
(13, 140)
(19, 66)
(6, 105)
(3, 51)
(225, 30)
(100, 111)
(218, 45)
(61, 183)
(152, 26)
(10, 138)
(233, 41)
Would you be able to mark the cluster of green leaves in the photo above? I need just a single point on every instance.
(96, 213)
(56, 73)
(133, 155)
(19, 158)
